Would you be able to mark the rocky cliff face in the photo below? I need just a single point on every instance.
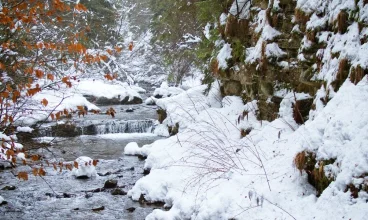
(280, 46)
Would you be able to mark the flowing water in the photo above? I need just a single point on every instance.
(59, 195)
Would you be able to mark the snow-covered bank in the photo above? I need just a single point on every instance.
(208, 171)
(70, 98)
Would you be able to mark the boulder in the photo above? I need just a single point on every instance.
(117, 192)
(109, 184)
(128, 101)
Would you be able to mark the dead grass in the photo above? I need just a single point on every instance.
(300, 161)
(301, 17)
(342, 22)
(357, 73)
(342, 74)
(311, 35)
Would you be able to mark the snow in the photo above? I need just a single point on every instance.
(1, 199)
(85, 167)
(224, 55)
(183, 108)
(58, 100)
(223, 18)
(273, 50)
(117, 136)
(132, 148)
(25, 129)
(206, 31)
(241, 9)
(21, 156)
(161, 130)
(194, 175)
(150, 101)
(166, 91)
(316, 22)
(107, 89)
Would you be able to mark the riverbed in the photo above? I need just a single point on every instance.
(59, 195)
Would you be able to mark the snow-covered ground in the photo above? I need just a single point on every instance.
(208, 171)
(69, 99)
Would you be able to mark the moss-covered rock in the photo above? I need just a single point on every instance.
(232, 87)
(306, 161)
(161, 115)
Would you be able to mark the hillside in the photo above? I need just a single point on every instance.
(282, 132)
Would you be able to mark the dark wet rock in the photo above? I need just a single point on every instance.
(98, 209)
(161, 115)
(120, 176)
(135, 100)
(50, 194)
(9, 188)
(118, 191)
(158, 96)
(142, 199)
(3, 203)
(146, 171)
(156, 203)
(89, 130)
(76, 209)
(65, 130)
(104, 174)
(97, 190)
(5, 165)
(131, 209)
(141, 157)
(67, 195)
(301, 110)
(88, 195)
(232, 88)
(25, 137)
(103, 100)
(83, 177)
(129, 110)
(110, 184)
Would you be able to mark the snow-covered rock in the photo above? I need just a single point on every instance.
(85, 167)
(166, 91)
(132, 148)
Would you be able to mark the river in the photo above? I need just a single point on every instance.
(59, 195)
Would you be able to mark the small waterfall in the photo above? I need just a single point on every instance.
(96, 127)
(134, 126)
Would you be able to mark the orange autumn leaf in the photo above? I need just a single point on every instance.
(69, 167)
(95, 162)
(41, 172)
(108, 77)
(54, 165)
(44, 102)
(118, 49)
(39, 73)
(131, 46)
(23, 176)
(50, 77)
(35, 171)
(76, 164)
(35, 157)
(58, 114)
(80, 7)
